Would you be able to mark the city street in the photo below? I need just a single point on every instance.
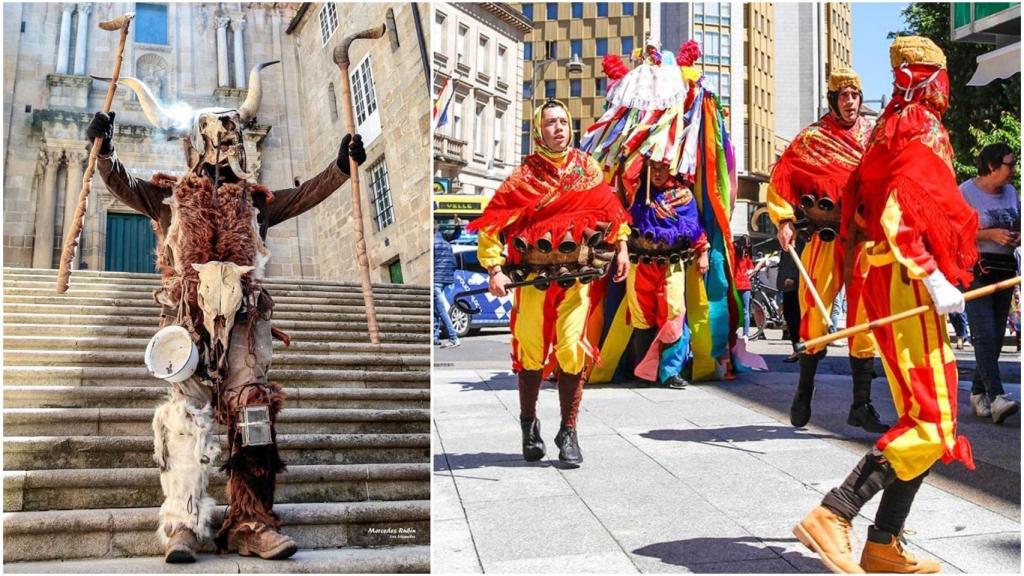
(707, 479)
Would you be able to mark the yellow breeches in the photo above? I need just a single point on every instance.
(535, 333)
(822, 260)
(655, 294)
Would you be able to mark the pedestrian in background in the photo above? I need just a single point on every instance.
(444, 276)
(787, 282)
(998, 206)
(959, 322)
(743, 267)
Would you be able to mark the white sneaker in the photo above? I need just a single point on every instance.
(982, 409)
(1003, 407)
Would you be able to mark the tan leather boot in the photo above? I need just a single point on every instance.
(266, 543)
(181, 547)
(893, 558)
(828, 536)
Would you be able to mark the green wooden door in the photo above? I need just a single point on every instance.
(131, 244)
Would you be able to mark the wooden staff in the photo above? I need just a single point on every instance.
(822, 341)
(810, 286)
(342, 60)
(75, 230)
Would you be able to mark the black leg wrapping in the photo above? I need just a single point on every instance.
(894, 508)
(863, 370)
(871, 475)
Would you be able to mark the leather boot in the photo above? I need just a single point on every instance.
(266, 543)
(828, 535)
(181, 547)
(883, 552)
(569, 447)
(800, 410)
(862, 413)
(533, 444)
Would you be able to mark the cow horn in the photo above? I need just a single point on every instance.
(150, 105)
(252, 100)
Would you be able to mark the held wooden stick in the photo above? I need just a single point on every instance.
(341, 58)
(67, 254)
(821, 341)
(810, 286)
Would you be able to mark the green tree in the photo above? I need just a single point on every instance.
(973, 110)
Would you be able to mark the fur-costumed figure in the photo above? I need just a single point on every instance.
(211, 224)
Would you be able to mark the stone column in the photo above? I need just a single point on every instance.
(46, 201)
(83, 33)
(222, 51)
(237, 26)
(64, 46)
(73, 188)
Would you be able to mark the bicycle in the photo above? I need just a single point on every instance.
(765, 307)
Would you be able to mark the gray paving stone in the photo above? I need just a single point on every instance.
(444, 498)
(451, 547)
(510, 482)
(610, 563)
(989, 553)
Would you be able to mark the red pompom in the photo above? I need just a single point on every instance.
(688, 53)
(613, 66)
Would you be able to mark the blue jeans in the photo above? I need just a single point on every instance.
(959, 322)
(838, 307)
(987, 318)
(745, 295)
(441, 313)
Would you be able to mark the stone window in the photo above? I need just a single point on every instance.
(627, 46)
(576, 48)
(328, 22)
(577, 9)
(528, 11)
(364, 98)
(602, 46)
(482, 55)
(601, 86)
(575, 88)
(479, 129)
(460, 48)
(151, 23)
(499, 154)
(380, 187)
(602, 9)
(552, 10)
(627, 9)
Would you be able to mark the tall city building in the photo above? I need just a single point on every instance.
(563, 51)
(477, 47)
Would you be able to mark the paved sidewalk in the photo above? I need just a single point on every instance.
(708, 479)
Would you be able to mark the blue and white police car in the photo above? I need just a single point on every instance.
(469, 275)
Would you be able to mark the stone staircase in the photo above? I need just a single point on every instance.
(81, 491)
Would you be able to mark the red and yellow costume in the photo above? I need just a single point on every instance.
(550, 195)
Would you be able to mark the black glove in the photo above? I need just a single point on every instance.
(351, 148)
(102, 125)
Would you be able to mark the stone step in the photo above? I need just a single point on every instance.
(101, 343)
(148, 397)
(339, 306)
(36, 490)
(138, 421)
(139, 376)
(334, 333)
(387, 560)
(87, 276)
(275, 288)
(130, 532)
(136, 357)
(61, 452)
(16, 314)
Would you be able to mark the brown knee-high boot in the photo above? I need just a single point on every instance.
(529, 389)
(570, 392)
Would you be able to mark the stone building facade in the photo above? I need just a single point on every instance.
(391, 103)
(192, 54)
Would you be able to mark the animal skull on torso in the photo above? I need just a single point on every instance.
(220, 296)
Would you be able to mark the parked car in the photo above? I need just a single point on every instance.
(469, 274)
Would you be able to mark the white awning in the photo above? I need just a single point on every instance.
(1001, 63)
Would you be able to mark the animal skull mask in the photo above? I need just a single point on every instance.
(220, 296)
(216, 134)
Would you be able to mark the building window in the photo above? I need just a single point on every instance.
(395, 272)
(726, 52)
(440, 21)
(726, 11)
(457, 130)
(602, 9)
(627, 9)
(698, 13)
(551, 48)
(552, 10)
(328, 22)
(699, 38)
(576, 131)
(711, 10)
(575, 47)
(483, 51)
(711, 47)
(527, 50)
(602, 46)
(499, 154)
(577, 9)
(478, 130)
(712, 78)
(726, 93)
(502, 64)
(527, 89)
(151, 23)
(364, 98)
(600, 86)
(460, 48)
(524, 137)
(575, 88)
(627, 45)
(549, 89)
(383, 208)
(332, 102)
(528, 10)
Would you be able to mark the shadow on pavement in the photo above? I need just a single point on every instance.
(478, 460)
(749, 553)
(734, 434)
